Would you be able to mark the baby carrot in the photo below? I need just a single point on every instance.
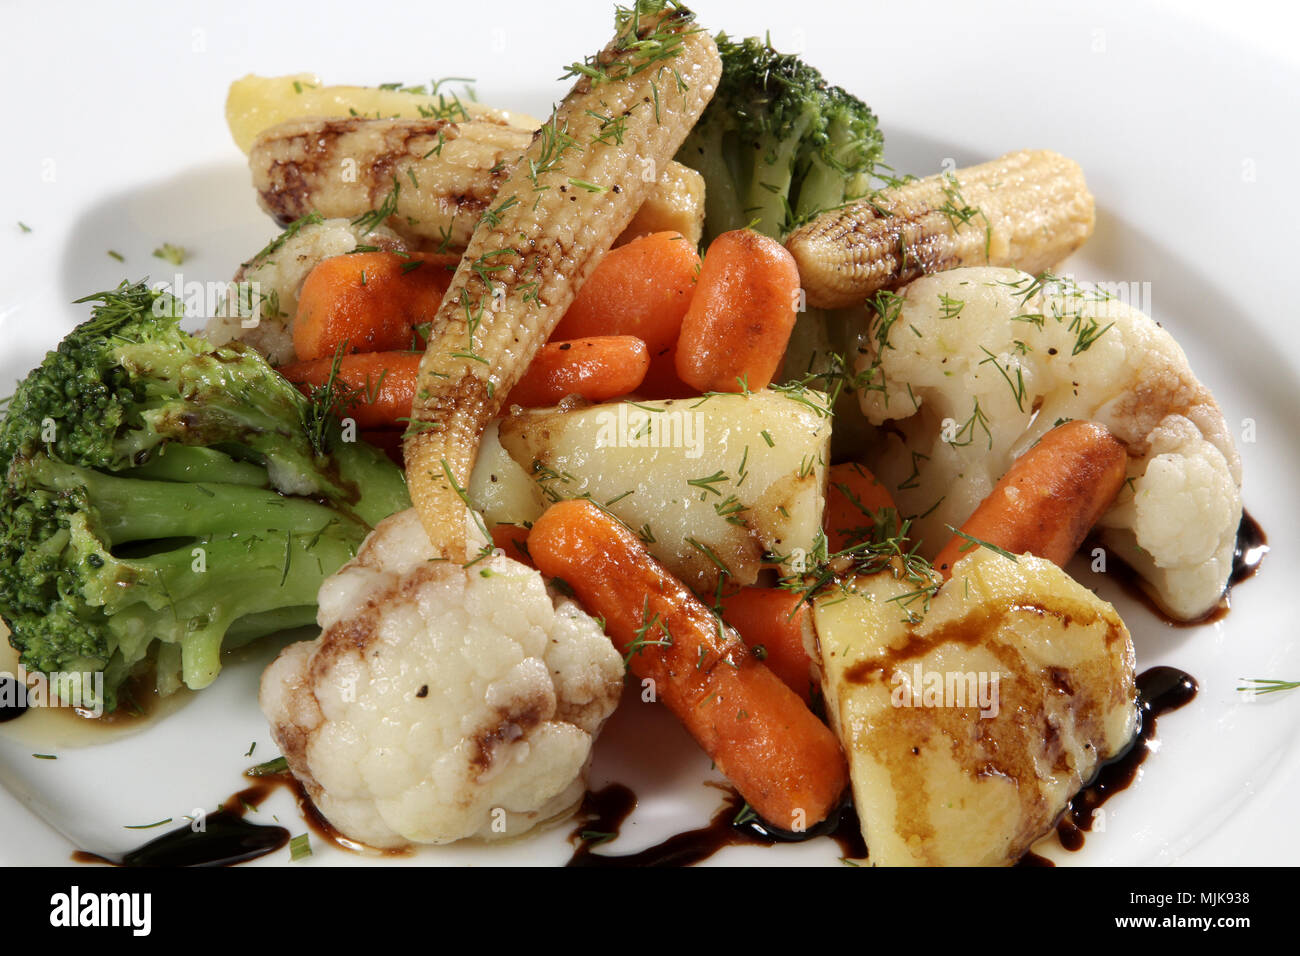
(741, 315)
(1049, 499)
(771, 621)
(784, 761)
(641, 289)
(512, 539)
(382, 384)
(371, 300)
(854, 502)
(661, 379)
(598, 368)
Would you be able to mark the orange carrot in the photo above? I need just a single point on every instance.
(783, 760)
(661, 379)
(741, 314)
(512, 539)
(641, 289)
(1049, 499)
(597, 368)
(854, 500)
(371, 300)
(771, 621)
(383, 382)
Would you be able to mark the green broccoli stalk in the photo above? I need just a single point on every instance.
(777, 145)
(164, 499)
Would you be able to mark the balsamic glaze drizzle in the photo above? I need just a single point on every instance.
(604, 811)
(1160, 690)
(225, 839)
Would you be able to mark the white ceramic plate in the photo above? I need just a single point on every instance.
(117, 141)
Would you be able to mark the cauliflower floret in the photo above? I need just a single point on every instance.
(974, 365)
(277, 274)
(441, 703)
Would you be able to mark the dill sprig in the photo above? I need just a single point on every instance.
(268, 769)
(326, 403)
(1267, 685)
(492, 217)
(949, 307)
(961, 213)
(707, 483)
(463, 495)
(555, 142)
(300, 847)
(176, 255)
(612, 128)
(973, 542)
(801, 391)
(378, 216)
(641, 637)
(647, 34)
(311, 219)
(886, 550)
(1018, 386)
(978, 419)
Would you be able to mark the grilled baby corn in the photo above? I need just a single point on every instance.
(446, 174)
(575, 189)
(1029, 209)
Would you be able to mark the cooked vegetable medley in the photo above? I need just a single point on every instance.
(687, 385)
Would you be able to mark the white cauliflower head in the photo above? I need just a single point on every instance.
(439, 702)
(973, 366)
(275, 277)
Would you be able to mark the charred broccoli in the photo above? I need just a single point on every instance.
(164, 499)
(778, 144)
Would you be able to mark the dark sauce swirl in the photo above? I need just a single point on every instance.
(224, 839)
(1248, 555)
(604, 811)
(1160, 690)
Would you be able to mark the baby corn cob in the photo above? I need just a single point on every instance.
(446, 174)
(1029, 209)
(574, 190)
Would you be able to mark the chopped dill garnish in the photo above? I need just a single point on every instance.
(641, 638)
(300, 847)
(268, 769)
(170, 253)
(708, 482)
(950, 308)
(377, 217)
(1017, 387)
(1265, 685)
(974, 542)
(311, 219)
(635, 49)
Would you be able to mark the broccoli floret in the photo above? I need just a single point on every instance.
(164, 499)
(777, 144)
